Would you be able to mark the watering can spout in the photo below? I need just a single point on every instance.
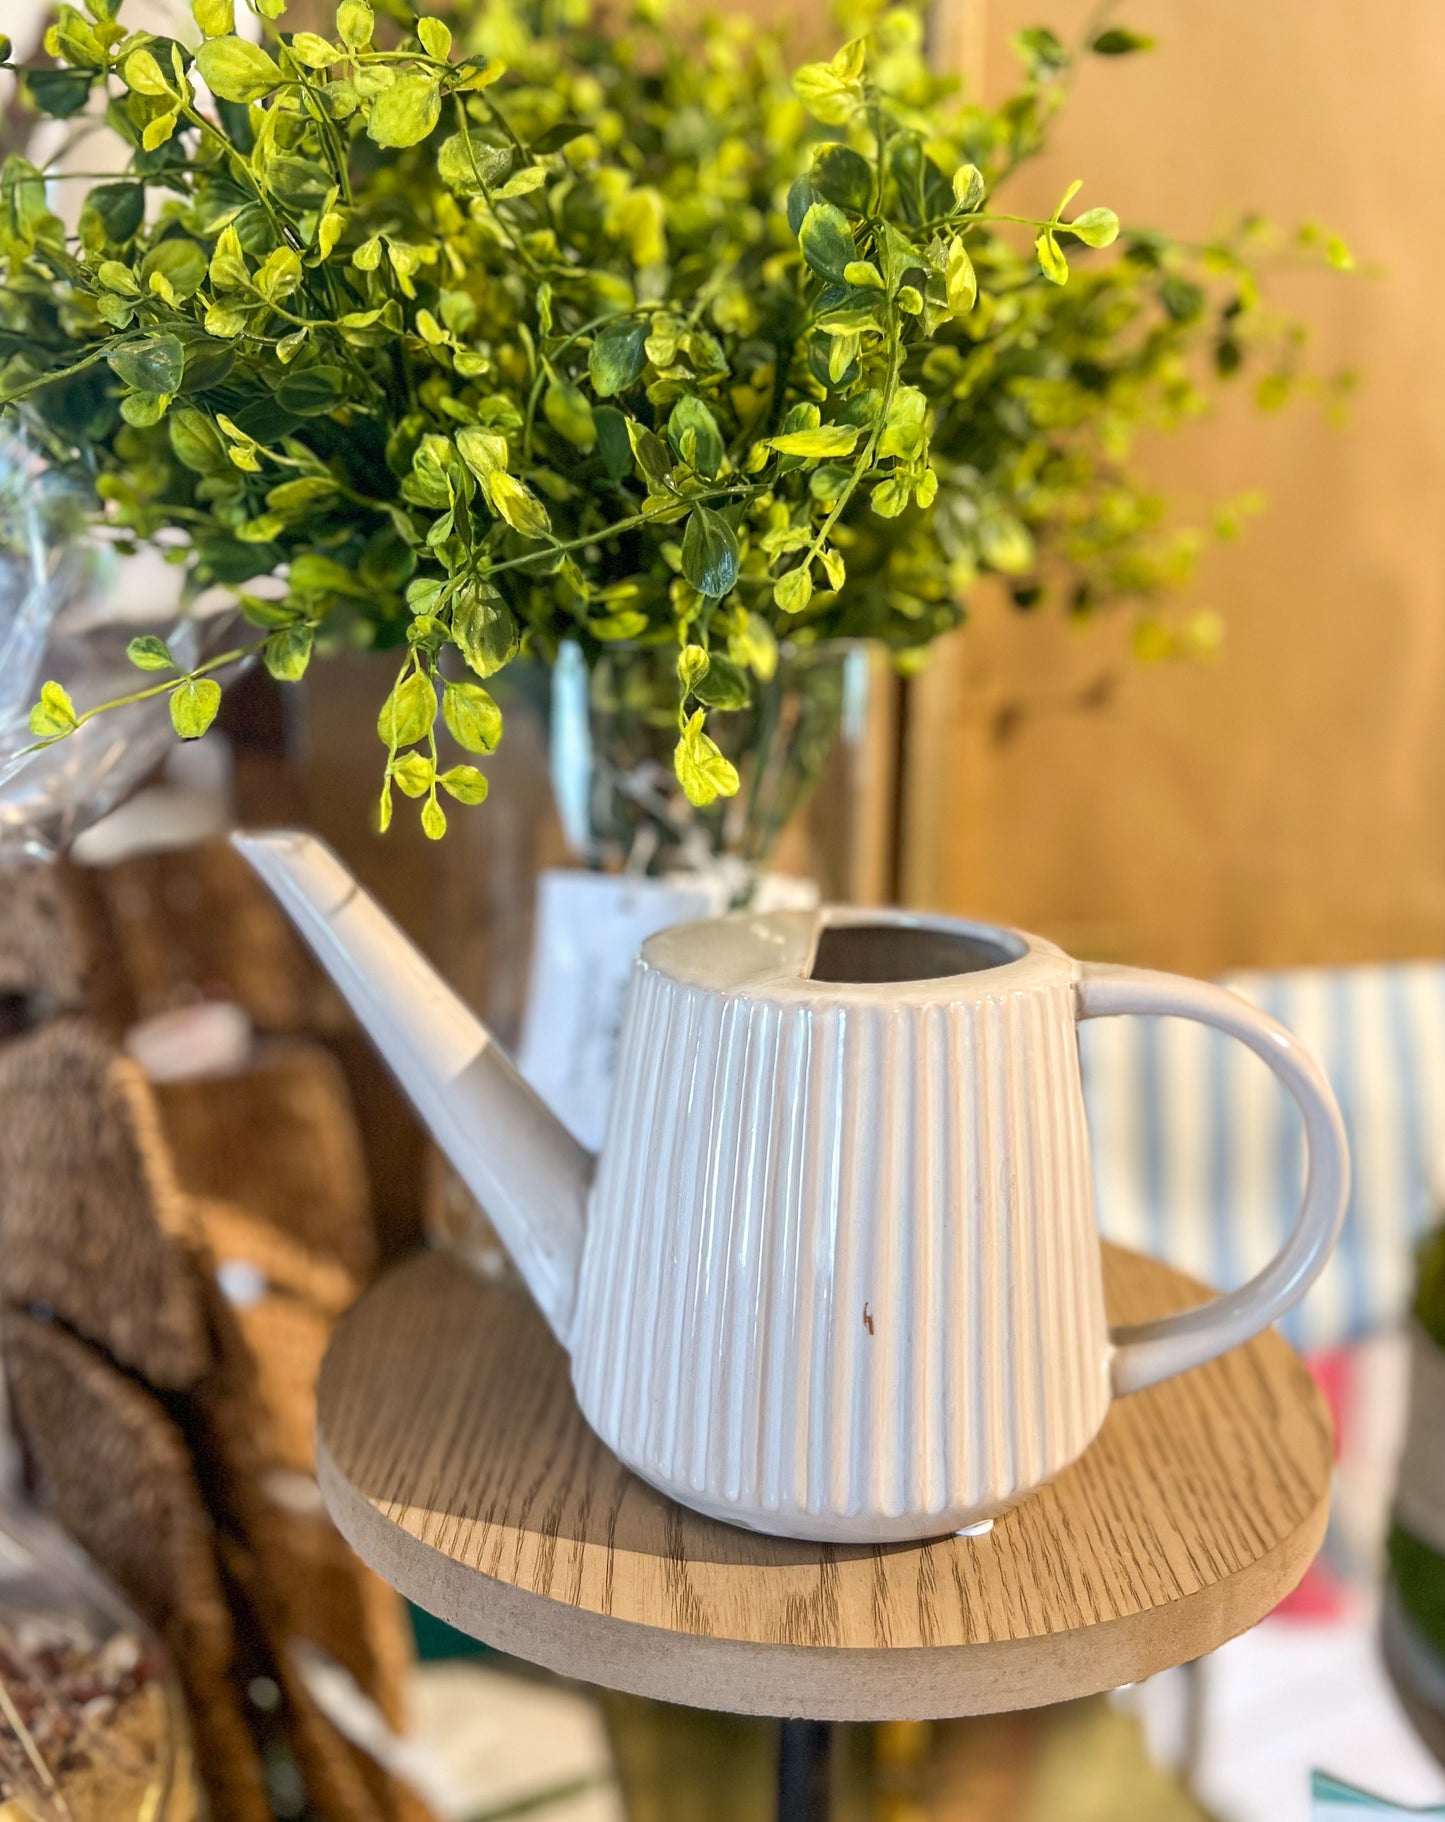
(519, 1161)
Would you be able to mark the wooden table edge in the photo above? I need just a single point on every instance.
(738, 1676)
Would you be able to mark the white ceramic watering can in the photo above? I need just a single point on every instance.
(835, 1274)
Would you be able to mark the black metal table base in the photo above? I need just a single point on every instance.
(805, 1755)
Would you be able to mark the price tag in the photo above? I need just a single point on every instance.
(589, 928)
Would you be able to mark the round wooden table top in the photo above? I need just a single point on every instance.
(453, 1457)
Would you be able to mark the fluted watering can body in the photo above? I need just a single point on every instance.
(835, 1274)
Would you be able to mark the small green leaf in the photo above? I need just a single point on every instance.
(465, 783)
(568, 410)
(1118, 41)
(693, 663)
(314, 51)
(193, 706)
(1095, 227)
(159, 130)
(710, 553)
(702, 771)
(843, 176)
(216, 18)
(827, 96)
(143, 75)
(151, 363)
(54, 714)
(1052, 263)
(826, 441)
(1004, 542)
(469, 164)
(968, 188)
(287, 653)
(754, 645)
(436, 40)
(628, 624)
(522, 183)
(237, 70)
(617, 356)
(433, 820)
(473, 719)
(355, 23)
(59, 93)
(307, 392)
(484, 628)
(413, 773)
(724, 687)
(691, 414)
(793, 590)
(890, 497)
(147, 653)
(827, 241)
(518, 505)
(960, 282)
(409, 712)
(405, 113)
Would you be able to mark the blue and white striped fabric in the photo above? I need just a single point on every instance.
(1198, 1152)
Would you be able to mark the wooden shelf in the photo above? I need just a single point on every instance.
(453, 1457)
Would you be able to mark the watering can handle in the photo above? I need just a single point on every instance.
(1147, 1352)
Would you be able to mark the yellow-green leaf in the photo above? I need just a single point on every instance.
(473, 719)
(413, 773)
(465, 783)
(314, 51)
(1052, 263)
(287, 653)
(409, 711)
(703, 771)
(968, 187)
(827, 440)
(436, 40)
(793, 590)
(433, 820)
(236, 69)
(569, 411)
(692, 667)
(827, 96)
(518, 505)
(960, 280)
(54, 714)
(229, 271)
(354, 22)
(143, 74)
(193, 706)
(522, 183)
(215, 17)
(405, 113)
(1095, 227)
(147, 653)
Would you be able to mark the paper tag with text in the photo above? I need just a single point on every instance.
(589, 928)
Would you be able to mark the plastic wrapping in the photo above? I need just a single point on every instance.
(92, 1723)
(69, 606)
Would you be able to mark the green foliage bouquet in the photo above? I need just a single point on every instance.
(469, 339)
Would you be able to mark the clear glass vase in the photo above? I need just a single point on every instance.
(612, 731)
